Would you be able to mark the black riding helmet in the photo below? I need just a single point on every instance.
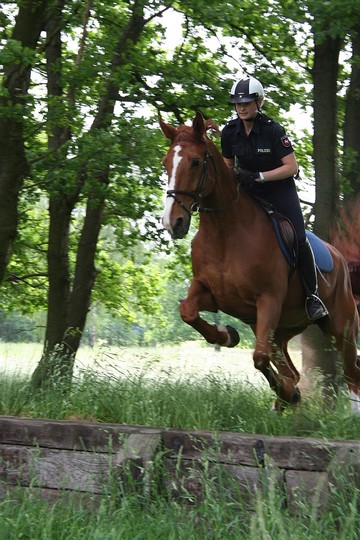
(245, 90)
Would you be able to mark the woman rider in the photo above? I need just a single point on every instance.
(262, 155)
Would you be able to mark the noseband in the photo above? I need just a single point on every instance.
(199, 195)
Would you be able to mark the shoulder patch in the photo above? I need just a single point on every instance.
(286, 141)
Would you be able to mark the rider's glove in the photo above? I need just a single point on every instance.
(245, 177)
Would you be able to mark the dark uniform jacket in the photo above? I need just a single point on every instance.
(262, 150)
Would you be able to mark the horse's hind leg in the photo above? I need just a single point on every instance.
(352, 375)
(347, 345)
(199, 298)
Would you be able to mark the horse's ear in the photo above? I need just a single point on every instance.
(168, 131)
(199, 125)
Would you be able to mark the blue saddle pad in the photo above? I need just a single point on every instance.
(323, 258)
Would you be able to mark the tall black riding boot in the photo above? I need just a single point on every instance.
(314, 307)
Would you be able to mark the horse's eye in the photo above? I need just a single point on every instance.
(195, 162)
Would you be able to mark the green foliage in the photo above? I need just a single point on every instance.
(14, 53)
(17, 328)
(218, 41)
(134, 286)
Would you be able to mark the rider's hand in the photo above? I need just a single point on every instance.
(246, 177)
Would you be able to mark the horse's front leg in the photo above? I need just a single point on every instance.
(199, 298)
(288, 375)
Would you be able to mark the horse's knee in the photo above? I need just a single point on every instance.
(187, 312)
(261, 360)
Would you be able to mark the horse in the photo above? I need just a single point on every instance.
(240, 269)
(344, 235)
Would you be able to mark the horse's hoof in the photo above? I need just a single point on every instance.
(279, 405)
(234, 336)
(296, 397)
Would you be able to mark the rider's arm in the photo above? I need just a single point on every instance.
(288, 169)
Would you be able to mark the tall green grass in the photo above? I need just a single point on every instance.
(216, 403)
(222, 514)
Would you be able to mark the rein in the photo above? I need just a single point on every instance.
(199, 194)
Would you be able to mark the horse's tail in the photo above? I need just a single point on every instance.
(345, 236)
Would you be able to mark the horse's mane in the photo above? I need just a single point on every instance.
(187, 134)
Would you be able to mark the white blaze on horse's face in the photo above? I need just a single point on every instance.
(169, 202)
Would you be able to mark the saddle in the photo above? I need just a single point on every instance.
(288, 241)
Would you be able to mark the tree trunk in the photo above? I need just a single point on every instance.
(352, 121)
(13, 162)
(325, 71)
(68, 306)
(60, 208)
(320, 363)
(315, 352)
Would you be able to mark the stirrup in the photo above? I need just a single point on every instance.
(314, 307)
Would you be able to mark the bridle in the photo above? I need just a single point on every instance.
(200, 194)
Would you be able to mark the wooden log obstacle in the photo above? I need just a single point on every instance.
(85, 458)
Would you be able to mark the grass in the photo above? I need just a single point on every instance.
(144, 390)
(222, 514)
(154, 395)
(212, 403)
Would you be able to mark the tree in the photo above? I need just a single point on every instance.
(117, 42)
(68, 306)
(333, 24)
(18, 60)
(351, 140)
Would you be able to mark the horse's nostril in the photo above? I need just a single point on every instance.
(180, 227)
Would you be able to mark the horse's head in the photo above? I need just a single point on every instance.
(187, 165)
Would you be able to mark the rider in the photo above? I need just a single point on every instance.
(261, 153)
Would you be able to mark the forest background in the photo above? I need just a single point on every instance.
(83, 255)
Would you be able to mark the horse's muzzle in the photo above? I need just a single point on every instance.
(180, 227)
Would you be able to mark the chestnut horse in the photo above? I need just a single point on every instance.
(239, 268)
(344, 235)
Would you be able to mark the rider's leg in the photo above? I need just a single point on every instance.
(314, 307)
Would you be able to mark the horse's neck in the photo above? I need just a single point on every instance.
(225, 182)
(227, 193)
(232, 206)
